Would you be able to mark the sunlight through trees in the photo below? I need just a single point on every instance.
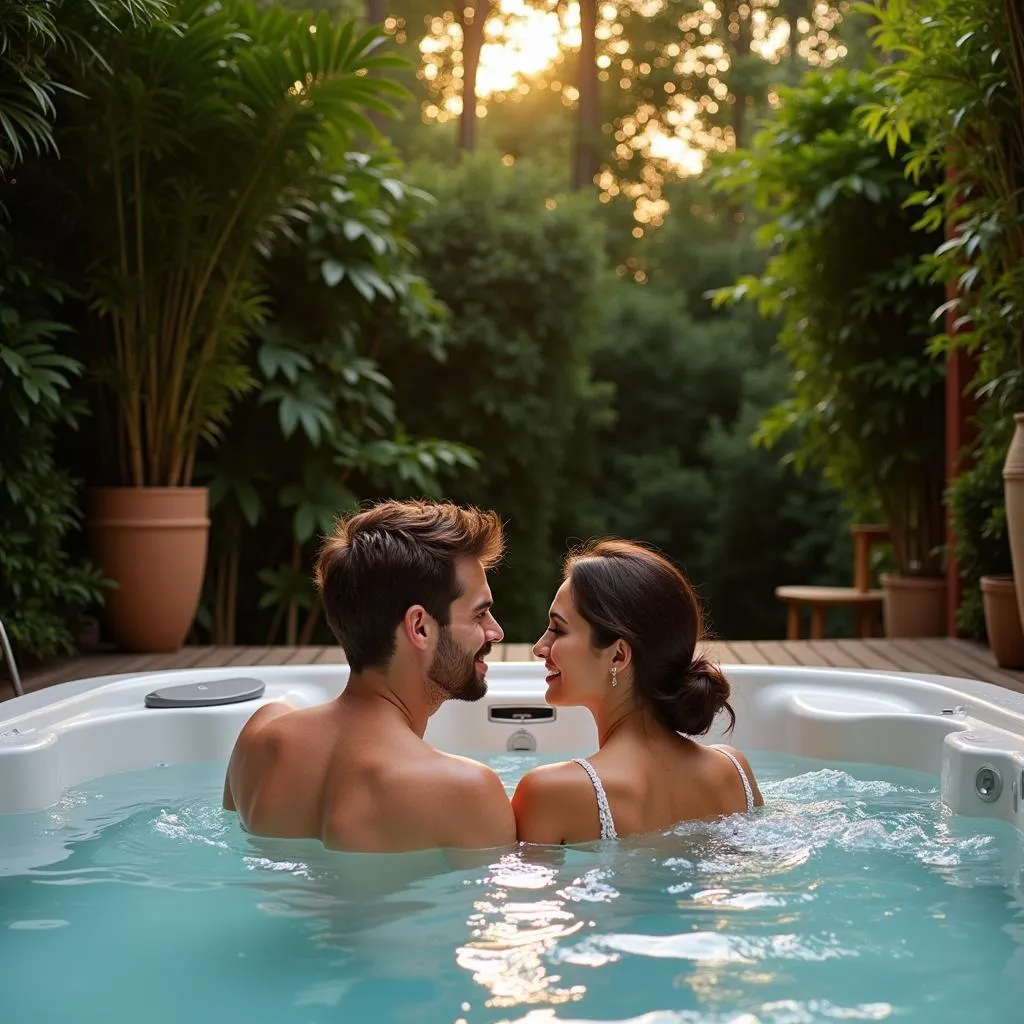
(676, 79)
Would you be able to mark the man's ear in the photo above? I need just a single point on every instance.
(418, 626)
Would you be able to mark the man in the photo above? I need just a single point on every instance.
(405, 592)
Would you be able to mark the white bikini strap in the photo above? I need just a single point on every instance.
(743, 776)
(604, 812)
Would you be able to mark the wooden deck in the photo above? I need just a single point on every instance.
(942, 656)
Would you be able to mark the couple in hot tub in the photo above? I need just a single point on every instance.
(405, 592)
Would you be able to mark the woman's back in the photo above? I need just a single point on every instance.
(650, 788)
(631, 787)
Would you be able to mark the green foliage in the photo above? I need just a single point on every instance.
(322, 425)
(213, 133)
(653, 481)
(678, 468)
(955, 94)
(310, 326)
(32, 34)
(701, 247)
(955, 91)
(978, 518)
(43, 590)
(766, 525)
(520, 270)
(865, 398)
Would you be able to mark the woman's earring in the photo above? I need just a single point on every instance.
(615, 673)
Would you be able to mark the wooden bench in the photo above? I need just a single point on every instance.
(864, 601)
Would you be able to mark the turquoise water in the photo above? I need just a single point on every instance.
(852, 897)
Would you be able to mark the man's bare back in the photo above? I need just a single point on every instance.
(352, 774)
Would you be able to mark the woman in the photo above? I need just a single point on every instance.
(620, 642)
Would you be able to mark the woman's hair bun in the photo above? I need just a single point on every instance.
(703, 694)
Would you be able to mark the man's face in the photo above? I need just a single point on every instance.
(458, 665)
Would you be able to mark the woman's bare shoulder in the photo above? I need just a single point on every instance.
(748, 770)
(547, 801)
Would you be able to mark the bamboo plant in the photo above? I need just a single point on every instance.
(211, 140)
(955, 92)
(36, 36)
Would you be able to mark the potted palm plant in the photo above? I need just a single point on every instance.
(214, 134)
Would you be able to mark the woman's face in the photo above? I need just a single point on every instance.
(577, 673)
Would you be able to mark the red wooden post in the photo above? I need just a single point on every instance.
(961, 407)
(960, 435)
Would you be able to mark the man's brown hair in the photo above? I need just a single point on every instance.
(382, 560)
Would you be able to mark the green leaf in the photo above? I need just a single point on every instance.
(304, 523)
(395, 188)
(249, 503)
(276, 358)
(333, 272)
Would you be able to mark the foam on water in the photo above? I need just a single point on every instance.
(853, 896)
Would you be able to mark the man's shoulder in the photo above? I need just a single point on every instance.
(450, 773)
(460, 801)
(466, 768)
(256, 750)
(258, 725)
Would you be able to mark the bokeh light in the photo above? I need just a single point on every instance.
(678, 90)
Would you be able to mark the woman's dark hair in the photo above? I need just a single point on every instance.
(628, 592)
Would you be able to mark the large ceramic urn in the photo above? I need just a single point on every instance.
(1013, 490)
(151, 541)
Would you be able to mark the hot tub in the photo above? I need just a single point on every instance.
(880, 882)
(969, 733)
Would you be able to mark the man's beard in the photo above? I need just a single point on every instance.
(454, 671)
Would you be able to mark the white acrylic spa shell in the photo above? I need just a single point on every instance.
(969, 733)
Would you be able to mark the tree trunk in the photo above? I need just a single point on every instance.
(219, 630)
(376, 12)
(795, 10)
(738, 29)
(311, 622)
(291, 631)
(586, 153)
(472, 19)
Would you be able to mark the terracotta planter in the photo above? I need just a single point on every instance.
(1002, 620)
(1013, 491)
(152, 542)
(914, 605)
